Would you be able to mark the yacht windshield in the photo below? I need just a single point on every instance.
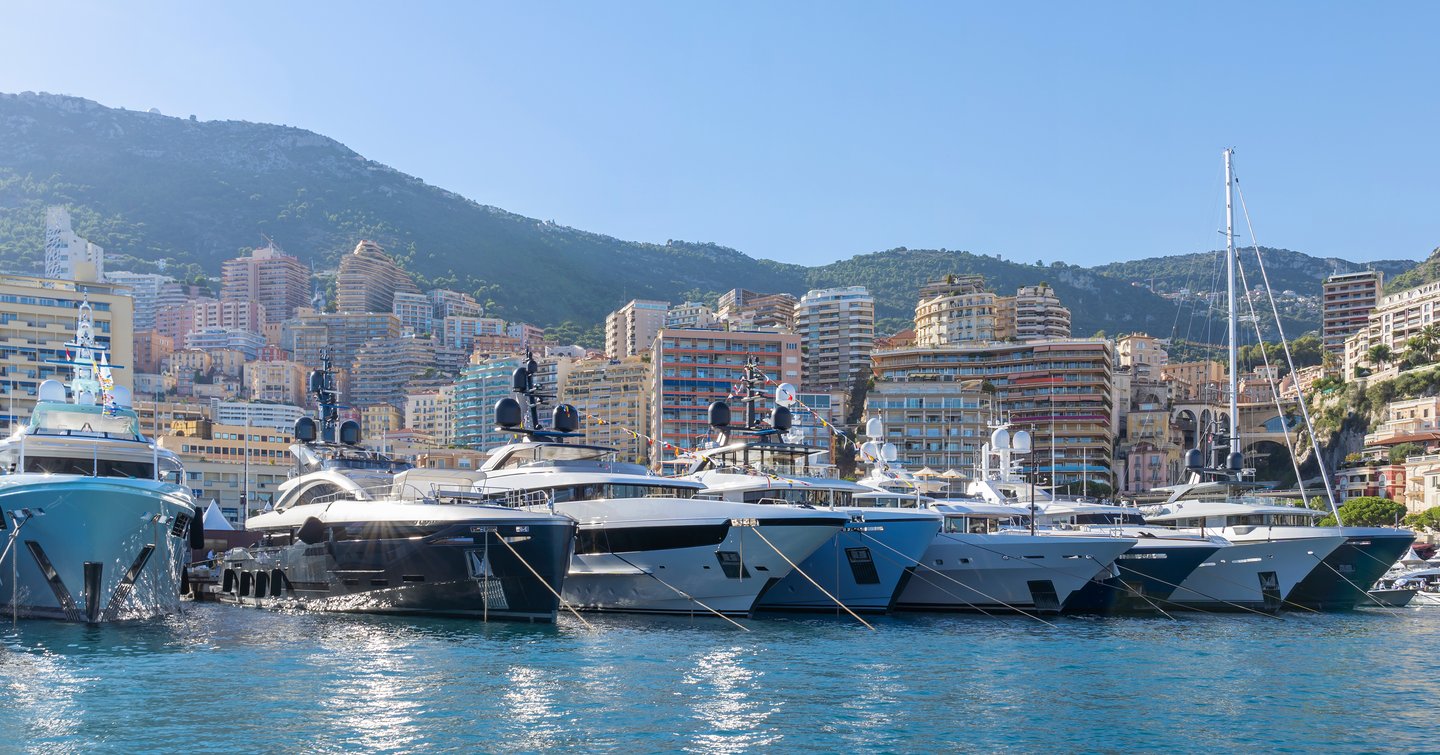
(71, 419)
(554, 452)
(98, 467)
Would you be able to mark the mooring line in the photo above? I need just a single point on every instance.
(802, 573)
(682, 593)
(552, 590)
(943, 575)
(1362, 590)
(1204, 595)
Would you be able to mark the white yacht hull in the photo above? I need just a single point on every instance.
(93, 549)
(686, 556)
(1254, 576)
(863, 566)
(1008, 572)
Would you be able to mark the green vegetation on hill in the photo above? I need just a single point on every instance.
(1419, 275)
(154, 189)
(1287, 270)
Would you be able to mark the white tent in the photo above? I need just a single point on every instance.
(214, 520)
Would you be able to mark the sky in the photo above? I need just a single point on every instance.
(811, 132)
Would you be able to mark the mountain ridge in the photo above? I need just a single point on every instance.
(150, 187)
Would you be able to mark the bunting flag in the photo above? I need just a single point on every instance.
(837, 432)
(638, 436)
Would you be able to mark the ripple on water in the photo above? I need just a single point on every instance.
(218, 678)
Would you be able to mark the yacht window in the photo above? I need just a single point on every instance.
(318, 490)
(1241, 520)
(1125, 517)
(800, 496)
(597, 491)
(87, 466)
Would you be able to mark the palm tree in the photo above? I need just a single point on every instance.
(1379, 354)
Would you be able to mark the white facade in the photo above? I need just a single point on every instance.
(240, 413)
(145, 290)
(416, 313)
(67, 256)
(837, 326)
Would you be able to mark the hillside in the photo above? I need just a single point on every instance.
(1423, 273)
(153, 188)
(1287, 269)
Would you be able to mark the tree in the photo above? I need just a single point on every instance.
(1399, 453)
(1379, 354)
(1429, 519)
(1368, 511)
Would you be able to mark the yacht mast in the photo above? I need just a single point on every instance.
(1234, 429)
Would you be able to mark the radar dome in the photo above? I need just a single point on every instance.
(1000, 439)
(1021, 442)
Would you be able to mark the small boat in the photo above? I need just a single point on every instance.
(99, 523)
(1389, 597)
(356, 531)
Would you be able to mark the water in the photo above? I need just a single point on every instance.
(221, 679)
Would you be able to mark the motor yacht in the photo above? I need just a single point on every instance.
(983, 558)
(646, 544)
(95, 522)
(354, 530)
(1338, 579)
(863, 566)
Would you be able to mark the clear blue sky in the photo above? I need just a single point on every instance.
(1087, 132)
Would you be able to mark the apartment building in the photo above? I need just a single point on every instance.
(630, 329)
(837, 331)
(1346, 301)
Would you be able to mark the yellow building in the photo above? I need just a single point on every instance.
(37, 318)
(223, 464)
(613, 398)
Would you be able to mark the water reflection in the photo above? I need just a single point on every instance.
(729, 701)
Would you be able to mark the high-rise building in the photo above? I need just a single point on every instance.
(275, 280)
(416, 313)
(67, 256)
(310, 335)
(1396, 319)
(449, 303)
(482, 384)
(1038, 314)
(145, 290)
(837, 331)
(613, 397)
(278, 381)
(936, 400)
(630, 329)
(383, 367)
(955, 309)
(432, 412)
(248, 316)
(1203, 381)
(369, 279)
(211, 339)
(462, 331)
(1346, 301)
(745, 309)
(37, 318)
(692, 368)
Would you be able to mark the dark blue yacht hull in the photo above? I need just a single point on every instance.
(1148, 575)
(1340, 582)
(461, 569)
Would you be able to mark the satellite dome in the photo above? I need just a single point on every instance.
(1000, 439)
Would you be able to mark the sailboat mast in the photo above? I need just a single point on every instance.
(1234, 429)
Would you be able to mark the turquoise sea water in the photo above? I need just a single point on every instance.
(227, 679)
